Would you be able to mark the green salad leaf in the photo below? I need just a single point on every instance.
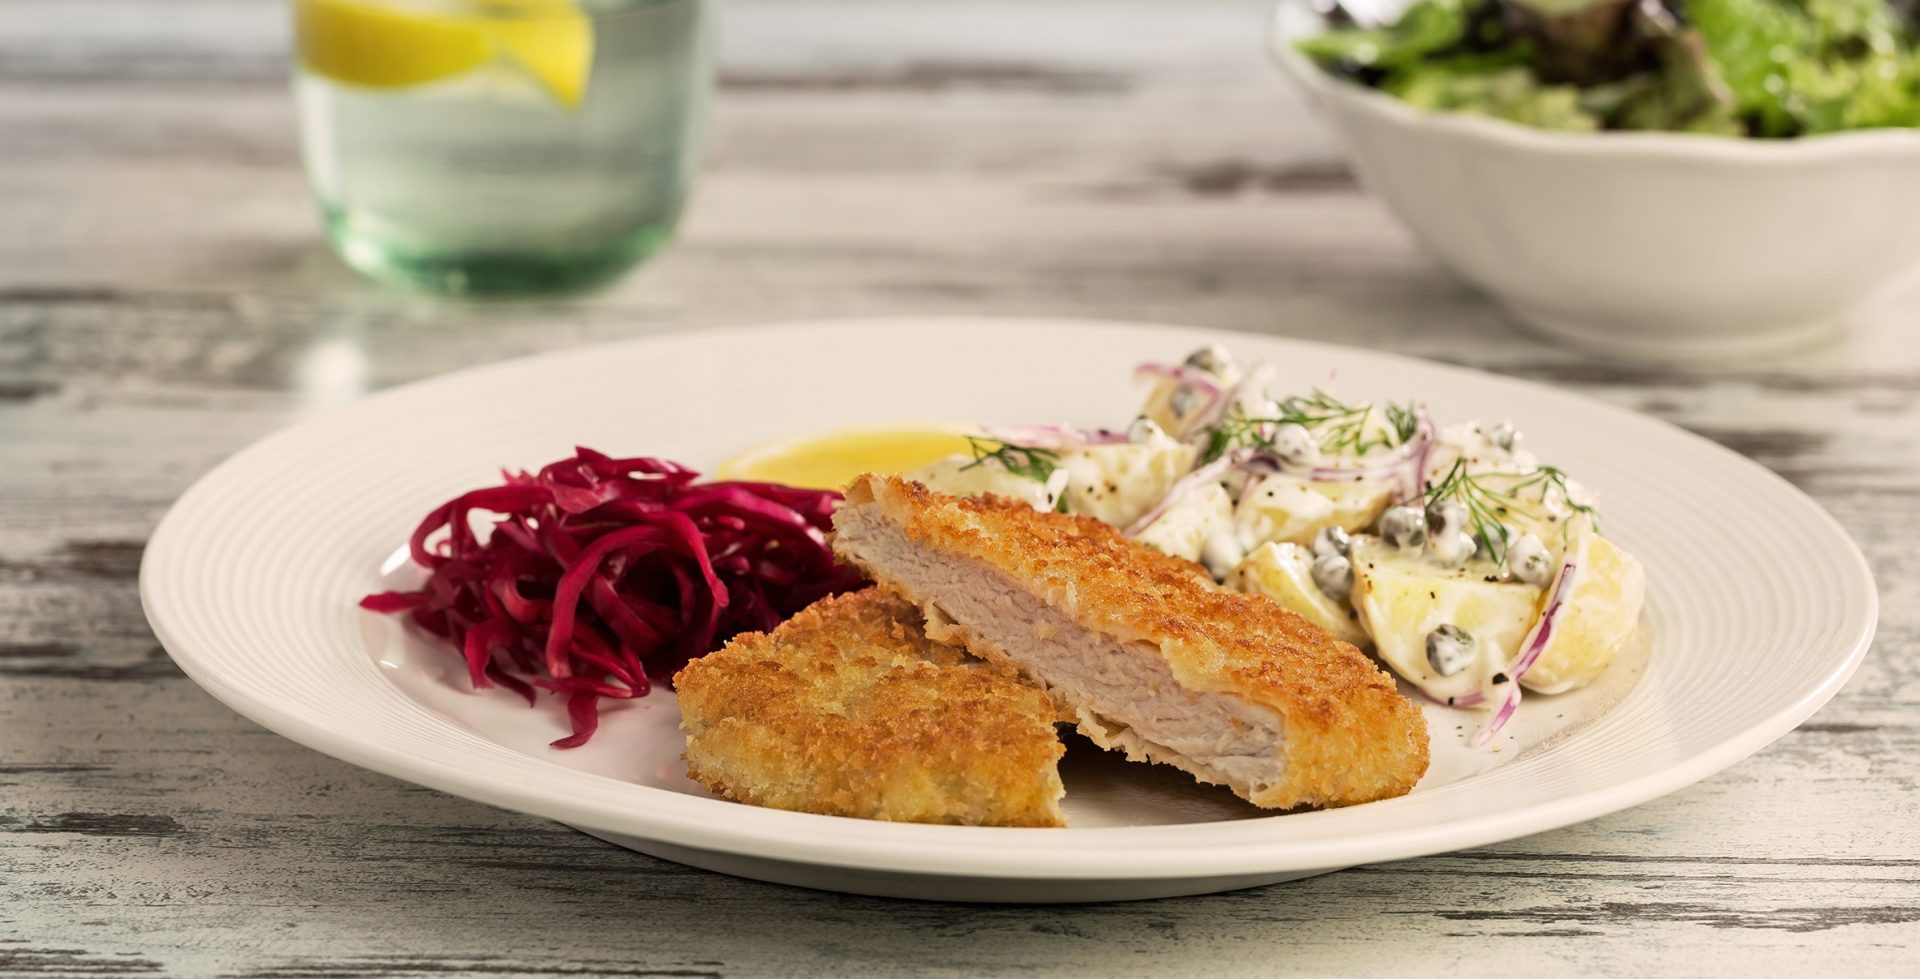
(1513, 94)
(1427, 27)
(1762, 68)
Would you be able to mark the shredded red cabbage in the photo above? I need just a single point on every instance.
(603, 576)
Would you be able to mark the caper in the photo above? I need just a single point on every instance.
(1212, 358)
(1529, 561)
(1505, 436)
(1446, 518)
(1449, 649)
(1143, 429)
(1182, 401)
(1334, 574)
(1295, 445)
(1332, 540)
(1404, 527)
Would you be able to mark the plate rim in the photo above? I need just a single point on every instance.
(833, 841)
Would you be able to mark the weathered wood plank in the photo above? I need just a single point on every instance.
(164, 299)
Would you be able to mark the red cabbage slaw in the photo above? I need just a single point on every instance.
(603, 575)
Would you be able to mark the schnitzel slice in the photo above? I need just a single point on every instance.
(1139, 648)
(848, 709)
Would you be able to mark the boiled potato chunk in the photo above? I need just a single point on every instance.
(1120, 483)
(1401, 598)
(1291, 510)
(1284, 573)
(1603, 613)
(1183, 530)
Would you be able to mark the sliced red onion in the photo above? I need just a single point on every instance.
(1542, 633)
(1202, 383)
(1187, 484)
(1192, 377)
(1536, 643)
(1210, 415)
(1053, 437)
(1406, 464)
(1423, 426)
(1260, 464)
(1484, 736)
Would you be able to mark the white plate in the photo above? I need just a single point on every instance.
(1759, 607)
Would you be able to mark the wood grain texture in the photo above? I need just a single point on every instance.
(164, 299)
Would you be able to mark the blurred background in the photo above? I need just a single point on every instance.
(1130, 158)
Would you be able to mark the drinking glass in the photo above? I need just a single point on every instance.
(500, 146)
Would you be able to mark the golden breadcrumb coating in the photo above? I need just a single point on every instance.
(848, 709)
(1350, 736)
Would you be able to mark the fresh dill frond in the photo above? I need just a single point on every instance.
(1405, 421)
(1486, 504)
(1221, 438)
(1021, 460)
(1340, 427)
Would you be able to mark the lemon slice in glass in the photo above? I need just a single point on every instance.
(379, 46)
(382, 45)
(550, 40)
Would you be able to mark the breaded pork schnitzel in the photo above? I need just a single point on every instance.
(1143, 652)
(849, 709)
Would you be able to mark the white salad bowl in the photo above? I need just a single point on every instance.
(1661, 245)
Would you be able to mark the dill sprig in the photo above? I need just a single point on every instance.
(1221, 437)
(1486, 504)
(1340, 427)
(1021, 460)
(1404, 420)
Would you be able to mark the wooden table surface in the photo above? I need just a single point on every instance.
(165, 299)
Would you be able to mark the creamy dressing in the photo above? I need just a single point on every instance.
(1292, 509)
(1485, 448)
(1407, 598)
(1119, 483)
(966, 476)
(1184, 529)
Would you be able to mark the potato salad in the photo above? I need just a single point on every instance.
(1468, 567)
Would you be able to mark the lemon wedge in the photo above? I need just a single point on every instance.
(832, 460)
(382, 46)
